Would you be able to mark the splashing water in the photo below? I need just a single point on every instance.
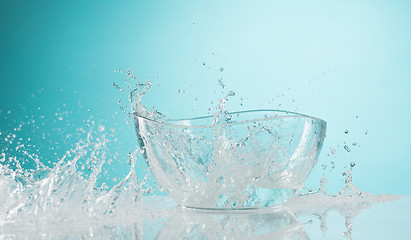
(36, 195)
(65, 192)
(349, 195)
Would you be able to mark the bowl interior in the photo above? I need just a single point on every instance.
(257, 158)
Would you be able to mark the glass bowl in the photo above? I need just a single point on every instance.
(258, 158)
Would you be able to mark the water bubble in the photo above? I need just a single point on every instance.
(100, 128)
(221, 69)
(352, 164)
(346, 131)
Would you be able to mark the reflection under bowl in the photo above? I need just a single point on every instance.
(260, 158)
(273, 224)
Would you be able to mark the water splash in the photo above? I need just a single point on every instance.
(68, 191)
(38, 196)
(349, 202)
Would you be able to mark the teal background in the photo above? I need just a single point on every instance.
(347, 62)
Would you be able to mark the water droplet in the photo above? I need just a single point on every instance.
(347, 148)
(324, 228)
(221, 69)
(221, 83)
(346, 131)
(352, 164)
(230, 93)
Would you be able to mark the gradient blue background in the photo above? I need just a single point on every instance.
(335, 60)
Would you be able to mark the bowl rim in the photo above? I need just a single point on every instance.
(169, 123)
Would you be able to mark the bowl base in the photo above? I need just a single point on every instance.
(262, 198)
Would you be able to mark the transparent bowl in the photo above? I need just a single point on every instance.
(260, 158)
